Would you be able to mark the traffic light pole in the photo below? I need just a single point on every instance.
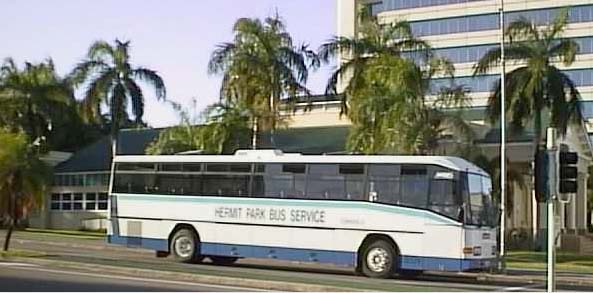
(503, 161)
(552, 148)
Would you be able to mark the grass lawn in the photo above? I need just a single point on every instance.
(69, 233)
(565, 261)
(20, 253)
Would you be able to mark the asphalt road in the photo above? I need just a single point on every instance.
(96, 251)
(19, 277)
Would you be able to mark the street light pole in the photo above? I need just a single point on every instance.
(502, 140)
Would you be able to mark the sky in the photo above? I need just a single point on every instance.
(174, 37)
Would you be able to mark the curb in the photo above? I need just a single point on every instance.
(188, 277)
(560, 281)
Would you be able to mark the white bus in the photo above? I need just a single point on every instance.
(379, 214)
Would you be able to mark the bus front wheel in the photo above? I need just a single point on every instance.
(184, 246)
(378, 260)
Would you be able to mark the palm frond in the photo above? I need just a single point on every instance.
(100, 50)
(152, 78)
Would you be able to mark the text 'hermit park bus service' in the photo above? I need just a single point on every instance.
(379, 214)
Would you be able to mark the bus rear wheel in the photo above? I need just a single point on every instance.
(223, 260)
(378, 260)
(184, 246)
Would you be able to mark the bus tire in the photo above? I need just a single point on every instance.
(223, 260)
(378, 260)
(184, 246)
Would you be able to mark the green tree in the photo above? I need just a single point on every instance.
(536, 88)
(262, 68)
(386, 95)
(24, 178)
(219, 129)
(33, 98)
(113, 81)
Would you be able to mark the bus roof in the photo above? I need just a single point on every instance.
(277, 156)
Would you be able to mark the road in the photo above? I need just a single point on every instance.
(96, 251)
(20, 277)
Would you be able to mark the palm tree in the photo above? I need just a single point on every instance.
(32, 97)
(24, 179)
(113, 81)
(386, 96)
(225, 130)
(261, 68)
(536, 87)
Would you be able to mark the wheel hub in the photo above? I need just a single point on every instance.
(184, 246)
(378, 260)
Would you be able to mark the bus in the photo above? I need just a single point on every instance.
(379, 214)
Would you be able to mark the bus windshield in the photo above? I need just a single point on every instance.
(479, 201)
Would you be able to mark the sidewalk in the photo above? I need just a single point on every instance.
(514, 276)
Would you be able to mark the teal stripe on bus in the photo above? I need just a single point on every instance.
(292, 203)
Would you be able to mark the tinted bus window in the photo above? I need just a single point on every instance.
(384, 182)
(444, 198)
(280, 181)
(225, 185)
(324, 182)
(414, 186)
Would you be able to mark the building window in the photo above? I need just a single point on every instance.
(67, 201)
(94, 179)
(102, 202)
(55, 201)
(90, 201)
(490, 21)
(79, 201)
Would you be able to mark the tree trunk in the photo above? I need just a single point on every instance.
(9, 233)
(254, 133)
(12, 206)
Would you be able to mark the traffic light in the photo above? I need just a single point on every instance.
(568, 172)
(541, 175)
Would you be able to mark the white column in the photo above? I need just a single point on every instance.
(561, 212)
(581, 203)
(571, 209)
(347, 21)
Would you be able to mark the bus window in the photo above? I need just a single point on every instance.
(174, 184)
(324, 182)
(135, 183)
(444, 198)
(414, 186)
(280, 181)
(225, 185)
(384, 182)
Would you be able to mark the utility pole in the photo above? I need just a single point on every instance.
(552, 193)
(502, 141)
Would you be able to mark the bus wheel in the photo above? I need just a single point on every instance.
(378, 260)
(223, 260)
(184, 246)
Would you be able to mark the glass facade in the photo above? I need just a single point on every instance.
(470, 54)
(490, 21)
(484, 83)
(388, 5)
(587, 109)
